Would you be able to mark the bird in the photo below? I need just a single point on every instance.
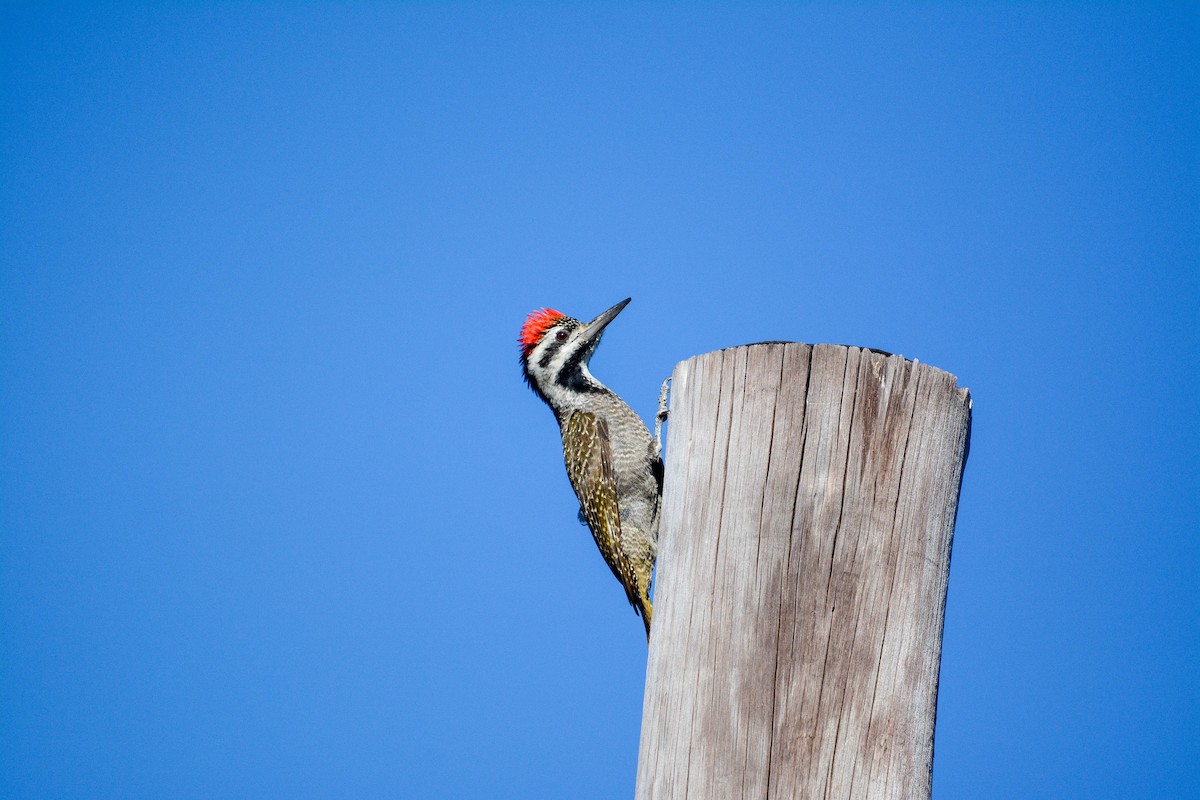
(614, 465)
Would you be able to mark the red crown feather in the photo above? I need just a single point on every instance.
(536, 325)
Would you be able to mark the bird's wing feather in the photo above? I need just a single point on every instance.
(587, 449)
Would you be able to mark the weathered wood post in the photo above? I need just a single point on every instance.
(809, 507)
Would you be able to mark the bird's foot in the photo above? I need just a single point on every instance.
(662, 414)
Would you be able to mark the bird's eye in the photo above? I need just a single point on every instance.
(560, 335)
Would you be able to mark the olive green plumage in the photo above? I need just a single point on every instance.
(587, 450)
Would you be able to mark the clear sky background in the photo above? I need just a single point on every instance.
(279, 517)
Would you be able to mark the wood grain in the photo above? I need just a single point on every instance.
(804, 553)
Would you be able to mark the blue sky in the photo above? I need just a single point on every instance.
(278, 517)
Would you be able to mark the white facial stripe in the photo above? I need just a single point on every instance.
(562, 352)
(539, 350)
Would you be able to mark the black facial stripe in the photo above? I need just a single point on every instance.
(575, 382)
(554, 347)
(571, 375)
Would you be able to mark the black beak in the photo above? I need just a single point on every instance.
(596, 326)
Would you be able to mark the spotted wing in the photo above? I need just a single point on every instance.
(588, 452)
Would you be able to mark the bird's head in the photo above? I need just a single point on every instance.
(555, 350)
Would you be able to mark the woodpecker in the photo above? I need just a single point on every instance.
(614, 465)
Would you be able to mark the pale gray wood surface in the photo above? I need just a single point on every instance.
(804, 553)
